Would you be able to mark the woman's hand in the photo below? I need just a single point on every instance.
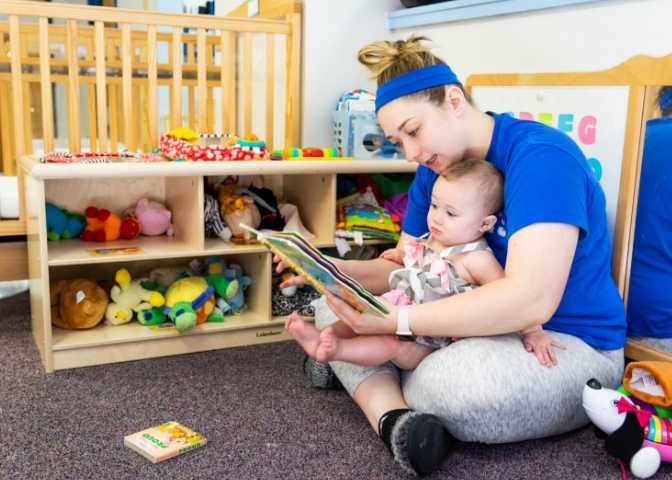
(363, 323)
(294, 281)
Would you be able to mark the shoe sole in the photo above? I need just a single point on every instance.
(428, 443)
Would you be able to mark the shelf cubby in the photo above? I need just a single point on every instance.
(106, 343)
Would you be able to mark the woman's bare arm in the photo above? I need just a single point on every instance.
(538, 263)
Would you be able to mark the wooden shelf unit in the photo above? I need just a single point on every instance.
(311, 185)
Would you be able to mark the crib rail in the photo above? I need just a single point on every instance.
(98, 78)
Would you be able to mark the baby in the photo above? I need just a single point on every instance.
(452, 258)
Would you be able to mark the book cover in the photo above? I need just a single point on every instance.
(164, 441)
(318, 270)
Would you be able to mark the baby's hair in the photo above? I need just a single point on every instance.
(491, 182)
(388, 60)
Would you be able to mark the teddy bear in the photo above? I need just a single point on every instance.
(77, 304)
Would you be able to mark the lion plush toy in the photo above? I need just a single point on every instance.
(77, 304)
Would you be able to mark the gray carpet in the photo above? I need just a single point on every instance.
(261, 422)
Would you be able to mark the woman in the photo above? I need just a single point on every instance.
(553, 241)
(649, 301)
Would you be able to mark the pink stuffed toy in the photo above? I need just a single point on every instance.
(154, 218)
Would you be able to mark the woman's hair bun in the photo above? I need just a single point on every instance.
(387, 60)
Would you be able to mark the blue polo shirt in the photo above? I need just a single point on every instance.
(547, 179)
(650, 297)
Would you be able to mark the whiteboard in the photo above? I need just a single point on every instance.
(594, 116)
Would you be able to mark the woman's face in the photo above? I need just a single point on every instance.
(429, 134)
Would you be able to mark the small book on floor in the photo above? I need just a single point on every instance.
(318, 270)
(164, 441)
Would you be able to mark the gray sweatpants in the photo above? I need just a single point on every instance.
(489, 389)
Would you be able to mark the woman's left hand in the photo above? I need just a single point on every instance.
(363, 323)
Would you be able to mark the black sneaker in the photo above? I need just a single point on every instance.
(319, 375)
(420, 442)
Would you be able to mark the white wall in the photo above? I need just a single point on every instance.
(333, 32)
(574, 38)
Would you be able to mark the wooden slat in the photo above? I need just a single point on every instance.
(641, 351)
(624, 227)
(152, 87)
(270, 88)
(27, 120)
(6, 139)
(191, 107)
(247, 84)
(14, 261)
(45, 87)
(176, 100)
(145, 17)
(114, 117)
(101, 88)
(211, 110)
(201, 77)
(126, 88)
(17, 89)
(74, 126)
(91, 113)
(293, 109)
(228, 81)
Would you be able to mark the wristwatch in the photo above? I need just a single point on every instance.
(403, 325)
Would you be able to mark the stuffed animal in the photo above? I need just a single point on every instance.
(189, 302)
(130, 226)
(164, 277)
(77, 304)
(267, 204)
(62, 224)
(214, 224)
(237, 209)
(154, 218)
(130, 296)
(235, 302)
(101, 225)
(636, 433)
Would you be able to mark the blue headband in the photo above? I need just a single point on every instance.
(665, 100)
(414, 81)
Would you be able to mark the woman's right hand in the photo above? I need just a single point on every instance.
(294, 281)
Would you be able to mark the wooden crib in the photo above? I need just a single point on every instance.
(104, 79)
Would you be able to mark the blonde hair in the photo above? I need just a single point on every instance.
(491, 182)
(387, 60)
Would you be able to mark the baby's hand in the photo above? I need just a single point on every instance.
(541, 344)
(394, 255)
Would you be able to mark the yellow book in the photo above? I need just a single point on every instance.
(164, 441)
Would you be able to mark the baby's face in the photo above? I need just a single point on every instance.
(457, 211)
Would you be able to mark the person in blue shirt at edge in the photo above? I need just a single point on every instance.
(553, 242)
(650, 296)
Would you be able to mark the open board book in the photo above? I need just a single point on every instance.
(318, 270)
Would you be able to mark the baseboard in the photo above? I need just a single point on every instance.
(13, 261)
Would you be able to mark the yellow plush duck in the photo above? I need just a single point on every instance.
(189, 302)
(129, 296)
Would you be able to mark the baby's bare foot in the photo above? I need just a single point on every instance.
(327, 347)
(306, 335)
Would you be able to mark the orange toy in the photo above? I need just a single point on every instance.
(101, 225)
